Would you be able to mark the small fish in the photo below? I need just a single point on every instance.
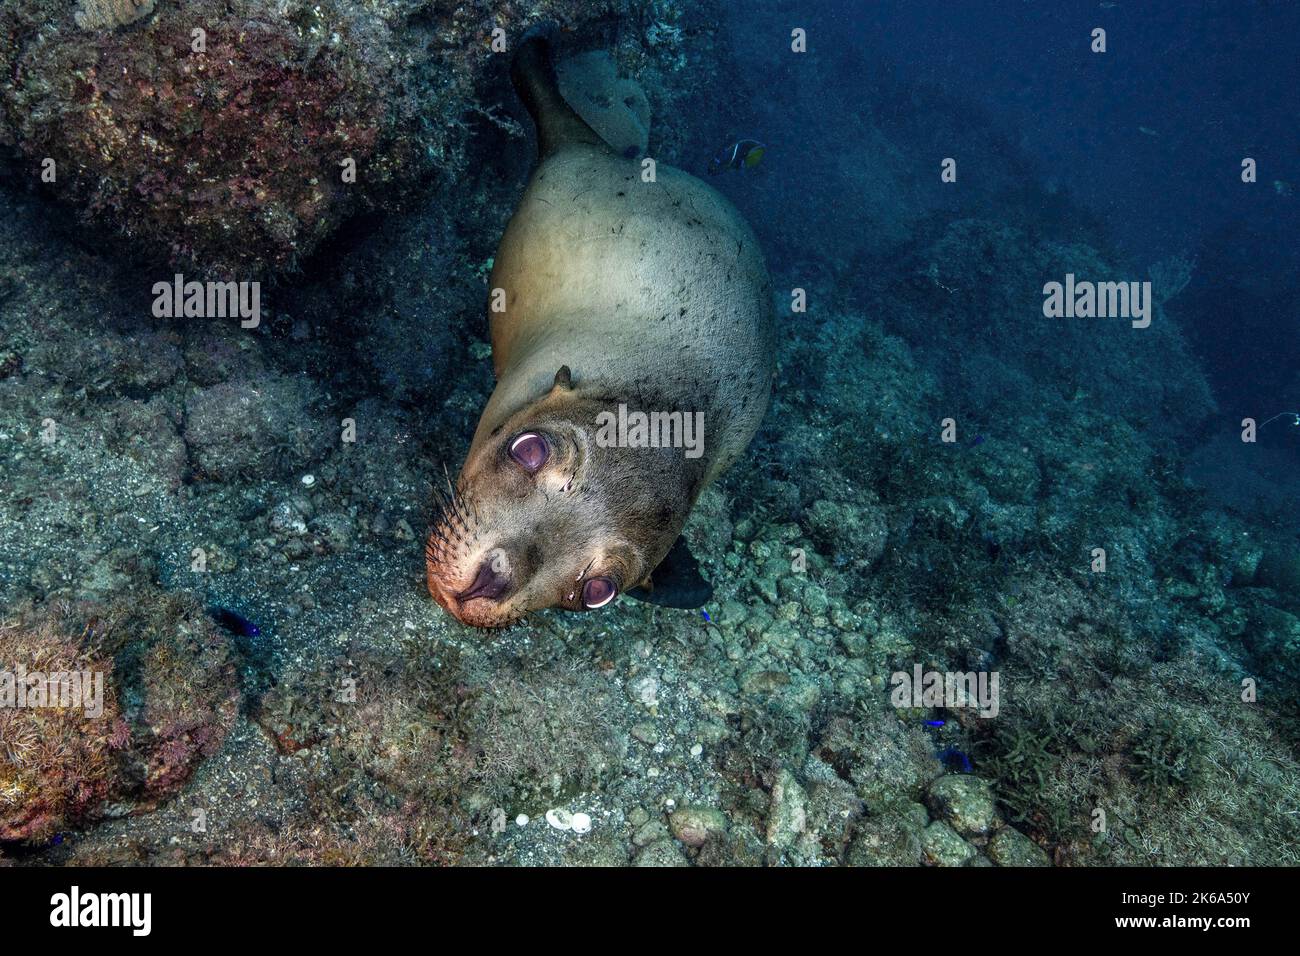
(705, 614)
(1147, 131)
(935, 723)
(742, 154)
(233, 622)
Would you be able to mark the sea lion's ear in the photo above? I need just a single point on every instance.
(676, 582)
(563, 379)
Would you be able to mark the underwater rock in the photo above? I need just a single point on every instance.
(882, 755)
(158, 694)
(109, 361)
(891, 838)
(648, 832)
(393, 726)
(661, 853)
(856, 531)
(788, 816)
(1010, 847)
(56, 763)
(232, 138)
(1273, 637)
(694, 825)
(1279, 569)
(943, 846)
(217, 352)
(964, 802)
(110, 14)
(262, 426)
(450, 743)
(546, 732)
(1147, 376)
(834, 808)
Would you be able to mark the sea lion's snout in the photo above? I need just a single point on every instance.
(491, 583)
(496, 587)
(477, 589)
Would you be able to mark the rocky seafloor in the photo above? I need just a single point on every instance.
(152, 470)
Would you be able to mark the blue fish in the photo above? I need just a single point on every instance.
(954, 759)
(234, 622)
(742, 154)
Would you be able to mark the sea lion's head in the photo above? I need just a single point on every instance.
(545, 516)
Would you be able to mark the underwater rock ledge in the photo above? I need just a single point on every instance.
(220, 135)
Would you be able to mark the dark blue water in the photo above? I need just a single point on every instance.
(1137, 150)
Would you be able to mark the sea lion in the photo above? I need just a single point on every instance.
(615, 292)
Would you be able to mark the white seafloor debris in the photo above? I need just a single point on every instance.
(562, 819)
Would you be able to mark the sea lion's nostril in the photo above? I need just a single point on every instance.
(489, 583)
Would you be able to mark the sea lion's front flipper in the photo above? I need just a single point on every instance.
(533, 75)
(677, 581)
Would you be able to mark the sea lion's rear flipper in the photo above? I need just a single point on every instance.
(613, 105)
(533, 74)
(677, 581)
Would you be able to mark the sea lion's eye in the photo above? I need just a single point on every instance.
(597, 592)
(530, 451)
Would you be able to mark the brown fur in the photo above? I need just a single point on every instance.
(654, 295)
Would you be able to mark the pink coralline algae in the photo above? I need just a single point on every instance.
(231, 138)
(169, 694)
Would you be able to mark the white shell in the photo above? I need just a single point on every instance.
(581, 823)
(522, 820)
(560, 818)
(309, 480)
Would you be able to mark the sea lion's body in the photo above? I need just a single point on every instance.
(657, 289)
(645, 292)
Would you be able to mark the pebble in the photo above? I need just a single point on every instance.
(942, 846)
(644, 690)
(963, 802)
(789, 814)
(694, 825)
(1010, 847)
(651, 832)
(661, 853)
(646, 733)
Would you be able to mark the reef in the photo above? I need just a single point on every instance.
(156, 692)
(232, 139)
(157, 468)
